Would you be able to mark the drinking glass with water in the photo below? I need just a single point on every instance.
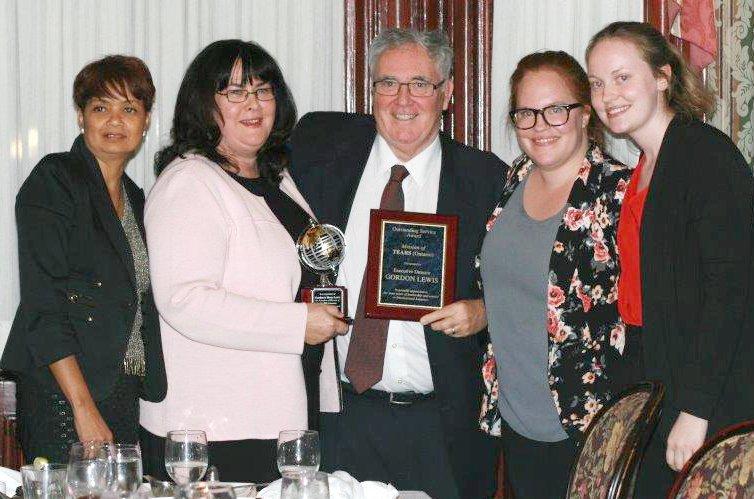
(305, 485)
(44, 482)
(298, 450)
(125, 467)
(87, 470)
(186, 457)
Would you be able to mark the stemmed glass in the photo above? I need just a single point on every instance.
(87, 472)
(298, 450)
(186, 456)
(305, 485)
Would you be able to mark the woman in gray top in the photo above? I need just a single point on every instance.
(549, 272)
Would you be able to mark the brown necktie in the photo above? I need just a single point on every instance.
(366, 352)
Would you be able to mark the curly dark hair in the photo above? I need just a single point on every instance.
(194, 127)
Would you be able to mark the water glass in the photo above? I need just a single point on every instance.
(88, 469)
(298, 450)
(125, 467)
(305, 485)
(205, 490)
(186, 457)
(47, 482)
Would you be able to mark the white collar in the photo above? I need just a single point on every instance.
(419, 167)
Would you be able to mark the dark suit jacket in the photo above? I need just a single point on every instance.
(78, 284)
(696, 244)
(329, 153)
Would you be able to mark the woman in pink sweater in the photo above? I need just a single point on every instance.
(221, 223)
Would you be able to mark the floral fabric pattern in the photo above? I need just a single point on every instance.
(583, 326)
(725, 470)
(731, 76)
(599, 459)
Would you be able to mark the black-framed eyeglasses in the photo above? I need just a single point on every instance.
(237, 95)
(417, 88)
(525, 117)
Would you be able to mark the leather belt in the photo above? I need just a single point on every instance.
(395, 398)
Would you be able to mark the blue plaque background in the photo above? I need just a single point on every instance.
(411, 273)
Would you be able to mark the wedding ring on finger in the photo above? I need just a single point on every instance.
(452, 331)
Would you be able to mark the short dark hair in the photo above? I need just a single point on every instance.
(194, 127)
(112, 76)
(574, 77)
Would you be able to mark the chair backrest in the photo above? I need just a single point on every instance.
(722, 467)
(614, 444)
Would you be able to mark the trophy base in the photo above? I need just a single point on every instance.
(330, 295)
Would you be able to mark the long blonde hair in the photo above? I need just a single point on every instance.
(686, 93)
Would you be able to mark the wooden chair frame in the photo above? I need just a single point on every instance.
(623, 480)
(721, 436)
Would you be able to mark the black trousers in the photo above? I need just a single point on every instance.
(402, 445)
(655, 476)
(46, 427)
(537, 470)
(236, 460)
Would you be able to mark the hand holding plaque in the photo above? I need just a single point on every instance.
(411, 264)
(321, 248)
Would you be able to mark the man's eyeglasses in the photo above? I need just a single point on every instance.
(416, 88)
(524, 117)
(237, 95)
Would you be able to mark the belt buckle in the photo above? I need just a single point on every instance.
(393, 400)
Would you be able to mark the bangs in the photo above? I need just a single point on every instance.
(255, 65)
(113, 89)
(114, 77)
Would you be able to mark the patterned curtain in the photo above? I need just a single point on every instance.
(732, 74)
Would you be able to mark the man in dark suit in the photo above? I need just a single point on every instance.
(414, 424)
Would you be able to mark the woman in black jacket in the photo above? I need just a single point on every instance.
(685, 243)
(85, 341)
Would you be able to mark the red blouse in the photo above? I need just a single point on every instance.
(629, 247)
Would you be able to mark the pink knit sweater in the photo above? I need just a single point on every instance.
(225, 273)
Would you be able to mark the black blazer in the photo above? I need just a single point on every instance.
(696, 259)
(78, 284)
(329, 153)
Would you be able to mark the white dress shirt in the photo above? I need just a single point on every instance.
(406, 365)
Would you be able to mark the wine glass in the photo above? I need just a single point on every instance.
(125, 467)
(186, 456)
(87, 471)
(305, 485)
(298, 450)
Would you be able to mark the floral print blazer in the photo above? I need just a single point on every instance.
(585, 332)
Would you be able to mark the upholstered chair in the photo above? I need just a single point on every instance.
(723, 467)
(613, 446)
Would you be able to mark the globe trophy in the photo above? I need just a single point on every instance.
(321, 248)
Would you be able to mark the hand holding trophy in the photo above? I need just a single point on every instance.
(321, 248)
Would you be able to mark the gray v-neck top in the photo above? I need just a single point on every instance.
(515, 269)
